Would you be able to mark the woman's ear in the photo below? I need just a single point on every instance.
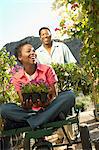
(40, 38)
(20, 58)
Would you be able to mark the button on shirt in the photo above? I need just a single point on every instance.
(43, 72)
(60, 54)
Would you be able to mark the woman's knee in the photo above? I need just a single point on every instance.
(72, 97)
(5, 108)
(69, 96)
(69, 93)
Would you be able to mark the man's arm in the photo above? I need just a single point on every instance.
(68, 56)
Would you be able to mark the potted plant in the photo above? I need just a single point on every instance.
(35, 90)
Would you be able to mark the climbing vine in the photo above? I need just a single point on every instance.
(79, 18)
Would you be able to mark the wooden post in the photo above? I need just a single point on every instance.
(26, 143)
(96, 143)
(85, 137)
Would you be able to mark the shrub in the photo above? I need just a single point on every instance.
(71, 76)
(7, 92)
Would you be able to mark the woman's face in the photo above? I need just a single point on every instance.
(27, 55)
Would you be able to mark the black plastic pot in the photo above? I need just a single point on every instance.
(43, 97)
(34, 96)
(26, 96)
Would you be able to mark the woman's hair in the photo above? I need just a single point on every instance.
(43, 29)
(18, 50)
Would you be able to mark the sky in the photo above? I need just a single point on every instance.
(23, 18)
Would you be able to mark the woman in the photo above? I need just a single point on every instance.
(33, 71)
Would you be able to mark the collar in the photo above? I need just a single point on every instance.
(21, 71)
(54, 45)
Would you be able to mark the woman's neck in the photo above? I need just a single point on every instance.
(30, 69)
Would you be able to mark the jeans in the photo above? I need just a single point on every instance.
(10, 111)
(63, 103)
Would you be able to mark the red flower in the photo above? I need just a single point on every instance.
(74, 6)
(57, 29)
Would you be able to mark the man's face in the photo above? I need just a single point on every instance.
(45, 37)
(27, 55)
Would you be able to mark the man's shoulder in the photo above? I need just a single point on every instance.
(58, 43)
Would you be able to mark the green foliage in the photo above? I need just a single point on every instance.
(33, 86)
(26, 88)
(83, 102)
(71, 76)
(7, 92)
(79, 18)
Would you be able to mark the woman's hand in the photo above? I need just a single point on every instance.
(27, 104)
(52, 92)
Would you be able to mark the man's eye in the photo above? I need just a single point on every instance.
(47, 34)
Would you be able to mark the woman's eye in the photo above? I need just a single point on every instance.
(28, 51)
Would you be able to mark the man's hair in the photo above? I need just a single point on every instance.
(18, 49)
(42, 29)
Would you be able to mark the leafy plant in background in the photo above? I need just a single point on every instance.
(79, 18)
(71, 76)
(83, 102)
(7, 92)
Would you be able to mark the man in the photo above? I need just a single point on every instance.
(51, 51)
